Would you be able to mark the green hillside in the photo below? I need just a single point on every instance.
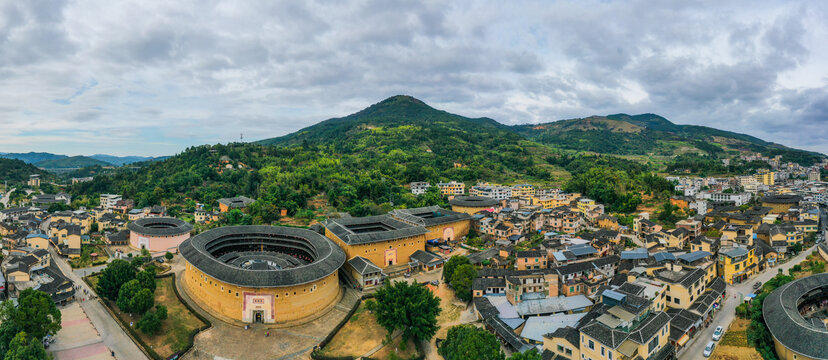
(358, 163)
(650, 134)
(422, 142)
(70, 162)
(32, 157)
(361, 163)
(16, 171)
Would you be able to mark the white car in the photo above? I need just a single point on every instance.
(717, 334)
(708, 350)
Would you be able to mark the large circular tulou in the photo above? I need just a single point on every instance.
(264, 274)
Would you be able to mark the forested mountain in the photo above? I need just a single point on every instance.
(360, 163)
(17, 171)
(70, 162)
(36, 157)
(120, 160)
(650, 134)
(423, 143)
(32, 157)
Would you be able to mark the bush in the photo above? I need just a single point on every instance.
(161, 311)
(168, 255)
(743, 310)
(150, 323)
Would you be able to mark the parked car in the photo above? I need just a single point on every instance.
(708, 350)
(717, 334)
(435, 282)
(407, 275)
(757, 285)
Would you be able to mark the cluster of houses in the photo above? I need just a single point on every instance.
(585, 297)
(28, 268)
(203, 216)
(584, 292)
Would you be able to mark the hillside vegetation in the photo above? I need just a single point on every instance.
(16, 171)
(361, 163)
(32, 157)
(650, 134)
(70, 162)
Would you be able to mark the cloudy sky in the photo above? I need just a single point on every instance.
(151, 78)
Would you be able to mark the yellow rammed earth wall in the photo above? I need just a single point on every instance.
(279, 305)
(380, 253)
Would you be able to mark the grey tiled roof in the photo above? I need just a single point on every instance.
(395, 229)
(485, 283)
(473, 201)
(148, 226)
(478, 257)
(787, 326)
(236, 202)
(363, 265)
(506, 333)
(782, 199)
(568, 333)
(327, 257)
(649, 328)
(426, 257)
(429, 216)
(485, 307)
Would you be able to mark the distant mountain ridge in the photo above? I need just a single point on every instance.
(651, 134)
(32, 157)
(71, 162)
(109, 160)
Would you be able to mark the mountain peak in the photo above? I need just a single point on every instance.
(397, 99)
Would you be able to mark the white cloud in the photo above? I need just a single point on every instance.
(174, 74)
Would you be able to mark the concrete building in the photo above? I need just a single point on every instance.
(419, 188)
(452, 188)
(108, 201)
(492, 192)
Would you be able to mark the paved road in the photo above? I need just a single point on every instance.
(728, 310)
(5, 199)
(113, 335)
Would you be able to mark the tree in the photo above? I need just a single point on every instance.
(149, 323)
(796, 248)
(470, 342)
(461, 281)
(36, 314)
(168, 256)
(147, 279)
(713, 233)
(127, 292)
(94, 227)
(8, 329)
(142, 301)
(527, 355)
(24, 347)
(453, 263)
(161, 311)
(116, 274)
(410, 308)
